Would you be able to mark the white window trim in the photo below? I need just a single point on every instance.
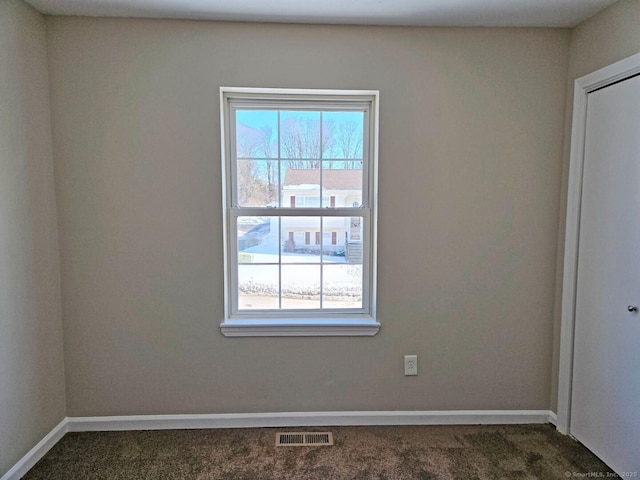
(342, 323)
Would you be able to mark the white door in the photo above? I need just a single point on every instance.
(605, 405)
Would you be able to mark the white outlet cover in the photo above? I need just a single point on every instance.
(411, 365)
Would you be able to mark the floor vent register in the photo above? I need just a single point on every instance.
(303, 439)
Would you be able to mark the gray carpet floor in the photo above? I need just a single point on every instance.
(421, 452)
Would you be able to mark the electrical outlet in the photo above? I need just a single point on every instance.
(411, 365)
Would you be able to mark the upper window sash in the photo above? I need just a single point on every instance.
(348, 105)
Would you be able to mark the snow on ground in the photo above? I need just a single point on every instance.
(301, 277)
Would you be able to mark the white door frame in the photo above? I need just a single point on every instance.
(583, 86)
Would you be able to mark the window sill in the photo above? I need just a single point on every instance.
(300, 328)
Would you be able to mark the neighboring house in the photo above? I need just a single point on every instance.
(340, 188)
(340, 236)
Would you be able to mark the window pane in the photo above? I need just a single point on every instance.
(300, 286)
(342, 134)
(256, 133)
(342, 184)
(342, 286)
(257, 183)
(298, 236)
(342, 239)
(258, 287)
(258, 240)
(300, 138)
(300, 186)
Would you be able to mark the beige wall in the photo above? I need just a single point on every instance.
(470, 169)
(31, 365)
(471, 150)
(604, 39)
(610, 36)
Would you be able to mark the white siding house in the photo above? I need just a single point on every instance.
(330, 188)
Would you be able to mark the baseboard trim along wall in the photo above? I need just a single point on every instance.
(307, 419)
(25, 464)
(284, 419)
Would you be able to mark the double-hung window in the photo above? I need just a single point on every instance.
(299, 200)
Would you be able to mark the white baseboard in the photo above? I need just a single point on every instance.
(307, 419)
(36, 453)
(285, 419)
(553, 419)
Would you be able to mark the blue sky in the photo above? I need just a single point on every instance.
(261, 118)
(347, 132)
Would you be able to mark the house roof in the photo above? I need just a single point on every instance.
(334, 179)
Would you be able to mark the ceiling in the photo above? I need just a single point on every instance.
(462, 13)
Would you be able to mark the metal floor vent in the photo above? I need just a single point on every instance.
(300, 439)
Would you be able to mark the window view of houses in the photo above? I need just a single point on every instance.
(288, 160)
